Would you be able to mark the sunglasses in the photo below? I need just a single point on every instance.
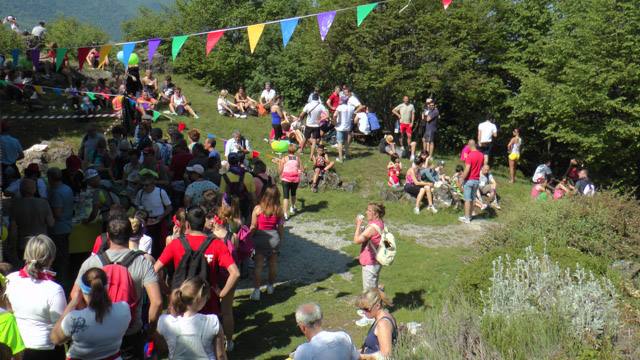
(366, 309)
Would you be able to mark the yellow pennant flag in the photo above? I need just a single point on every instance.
(254, 31)
(104, 53)
(38, 89)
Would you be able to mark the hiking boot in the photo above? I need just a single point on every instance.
(464, 220)
(270, 289)
(255, 295)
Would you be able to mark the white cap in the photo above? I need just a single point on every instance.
(90, 174)
(197, 168)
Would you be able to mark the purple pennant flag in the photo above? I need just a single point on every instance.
(35, 58)
(15, 54)
(325, 20)
(153, 46)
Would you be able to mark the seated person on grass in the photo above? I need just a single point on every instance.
(456, 179)
(245, 103)
(563, 188)
(166, 90)
(487, 188)
(226, 107)
(146, 103)
(394, 170)
(179, 104)
(388, 145)
(321, 164)
(540, 190)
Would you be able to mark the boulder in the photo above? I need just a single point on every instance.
(45, 154)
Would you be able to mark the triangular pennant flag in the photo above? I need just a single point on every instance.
(287, 27)
(254, 32)
(91, 95)
(156, 115)
(153, 46)
(60, 53)
(363, 11)
(176, 45)
(212, 39)
(104, 53)
(35, 57)
(132, 102)
(38, 89)
(15, 54)
(446, 3)
(57, 91)
(82, 56)
(3, 83)
(325, 20)
(127, 50)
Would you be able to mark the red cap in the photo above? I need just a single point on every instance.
(73, 163)
(33, 167)
(255, 154)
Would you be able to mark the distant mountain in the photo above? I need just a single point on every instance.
(107, 15)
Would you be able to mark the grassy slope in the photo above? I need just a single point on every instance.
(418, 280)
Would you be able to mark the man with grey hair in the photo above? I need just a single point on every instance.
(237, 144)
(325, 345)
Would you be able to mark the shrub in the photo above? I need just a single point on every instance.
(536, 285)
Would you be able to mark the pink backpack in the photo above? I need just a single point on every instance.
(121, 286)
(290, 171)
(245, 244)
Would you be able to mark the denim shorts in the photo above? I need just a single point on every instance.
(470, 189)
(342, 136)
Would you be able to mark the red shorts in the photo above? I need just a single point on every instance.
(406, 129)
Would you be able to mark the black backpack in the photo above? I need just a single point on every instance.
(193, 263)
(237, 188)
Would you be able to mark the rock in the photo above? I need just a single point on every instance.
(391, 194)
(45, 153)
(349, 187)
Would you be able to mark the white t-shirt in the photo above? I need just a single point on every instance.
(344, 120)
(38, 30)
(37, 305)
(487, 129)
(313, 110)
(268, 95)
(353, 101)
(153, 202)
(363, 123)
(541, 172)
(144, 243)
(92, 340)
(189, 337)
(221, 104)
(328, 345)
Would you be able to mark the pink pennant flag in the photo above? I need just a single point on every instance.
(212, 39)
(446, 3)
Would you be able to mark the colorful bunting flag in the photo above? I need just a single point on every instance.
(3, 83)
(60, 53)
(156, 115)
(91, 95)
(446, 3)
(254, 32)
(287, 27)
(176, 45)
(35, 57)
(15, 54)
(57, 91)
(127, 50)
(212, 39)
(325, 20)
(104, 53)
(363, 11)
(82, 56)
(153, 46)
(38, 89)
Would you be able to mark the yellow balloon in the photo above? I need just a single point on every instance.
(280, 146)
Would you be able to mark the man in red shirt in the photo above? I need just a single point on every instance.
(471, 177)
(217, 255)
(334, 99)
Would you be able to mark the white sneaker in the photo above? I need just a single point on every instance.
(198, 117)
(255, 295)
(167, 112)
(243, 116)
(339, 160)
(286, 216)
(270, 289)
(416, 211)
(236, 115)
(464, 219)
(412, 158)
(364, 322)
(433, 209)
(292, 210)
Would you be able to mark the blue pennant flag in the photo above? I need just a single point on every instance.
(127, 49)
(288, 26)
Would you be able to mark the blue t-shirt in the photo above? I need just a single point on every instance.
(61, 196)
(10, 149)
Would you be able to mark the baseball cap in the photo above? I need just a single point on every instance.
(197, 168)
(90, 174)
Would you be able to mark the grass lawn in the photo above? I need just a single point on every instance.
(418, 280)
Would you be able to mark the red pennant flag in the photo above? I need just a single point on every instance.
(212, 39)
(82, 56)
(446, 3)
(181, 126)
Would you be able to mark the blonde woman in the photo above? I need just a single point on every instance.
(383, 334)
(189, 334)
(37, 300)
(226, 107)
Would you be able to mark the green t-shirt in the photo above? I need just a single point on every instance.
(9, 334)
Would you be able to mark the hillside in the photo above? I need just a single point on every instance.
(107, 16)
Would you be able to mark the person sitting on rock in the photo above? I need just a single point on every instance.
(394, 169)
(321, 164)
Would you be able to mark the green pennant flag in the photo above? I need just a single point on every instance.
(3, 83)
(91, 95)
(364, 10)
(156, 115)
(60, 53)
(176, 45)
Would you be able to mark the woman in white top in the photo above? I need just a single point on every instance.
(188, 334)
(97, 330)
(225, 107)
(514, 148)
(37, 300)
(179, 104)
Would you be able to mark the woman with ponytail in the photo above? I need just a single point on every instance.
(383, 333)
(189, 334)
(96, 331)
(37, 300)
